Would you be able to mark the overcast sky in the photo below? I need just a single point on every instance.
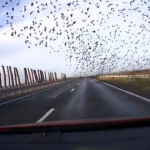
(14, 51)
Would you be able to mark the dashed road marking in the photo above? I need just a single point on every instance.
(45, 116)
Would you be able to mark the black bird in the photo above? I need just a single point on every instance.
(68, 4)
(31, 12)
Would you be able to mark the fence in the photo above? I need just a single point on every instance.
(10, 77)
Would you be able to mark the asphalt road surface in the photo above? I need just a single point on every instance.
(77, 99)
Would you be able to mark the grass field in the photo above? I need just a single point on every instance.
(138, 83)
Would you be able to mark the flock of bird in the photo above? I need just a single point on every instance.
(98, 36)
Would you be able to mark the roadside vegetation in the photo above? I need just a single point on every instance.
(137, 83)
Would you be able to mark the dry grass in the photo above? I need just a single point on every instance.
(140, 83)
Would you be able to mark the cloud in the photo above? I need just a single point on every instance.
(15, 52)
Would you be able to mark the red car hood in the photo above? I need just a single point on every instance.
(86, 124)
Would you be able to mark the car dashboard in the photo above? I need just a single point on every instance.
(111, 139)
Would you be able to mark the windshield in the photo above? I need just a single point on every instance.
(74, 60)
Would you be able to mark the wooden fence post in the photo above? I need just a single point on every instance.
(45, 76)
(15, 76)
(49, 76)
(35, 76)
(25, 76)
(29, 76)
(39, 77)
(32, 74)
(36, 73)
(19, 82)
(55, 76)
(12, 78)
(0, 81)
(8, 76)
(42, 76)
(4, 76)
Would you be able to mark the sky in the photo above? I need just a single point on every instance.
(128, 43)
(15, 52)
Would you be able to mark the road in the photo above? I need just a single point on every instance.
(76, 99)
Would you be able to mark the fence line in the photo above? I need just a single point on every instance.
(10, 76)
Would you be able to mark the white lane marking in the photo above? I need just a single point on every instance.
(72, 90)
(29, 95)
(78, 83)
(95, 80)
(143, 98)
(45, 116)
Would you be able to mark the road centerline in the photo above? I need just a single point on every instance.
(46, 115)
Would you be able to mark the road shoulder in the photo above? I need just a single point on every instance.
(129, 88)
